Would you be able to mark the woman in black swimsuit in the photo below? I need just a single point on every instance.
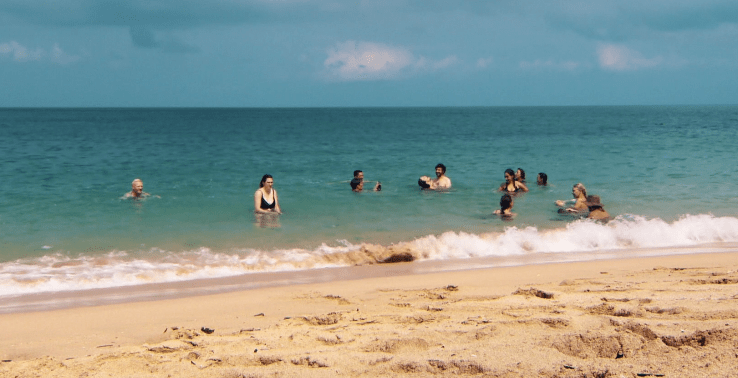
(265, 198)
(511, 186)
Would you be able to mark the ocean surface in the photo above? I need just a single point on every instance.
(667, 174)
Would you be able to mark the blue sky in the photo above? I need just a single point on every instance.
(246, 53)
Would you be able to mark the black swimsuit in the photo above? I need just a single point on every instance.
(266, 205)
(517, 189)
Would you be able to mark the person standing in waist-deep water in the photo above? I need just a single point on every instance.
(265, 198)
(136, 190)
(441, 182)
(580, 197)
(506, 205)
(597, 209)
(357, 183)
(511, 185)
(542, 179)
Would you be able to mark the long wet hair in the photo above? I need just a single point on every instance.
(505, 202)
(544, 178)
(264, 178)
(522, 174)
(581, 188)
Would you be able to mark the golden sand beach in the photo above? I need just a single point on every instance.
(672, 316)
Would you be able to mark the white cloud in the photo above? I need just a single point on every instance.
(445, 62)
(61, 57)
(621, 58)
(21, 54)
(484, 62)
(550, 64)
(363, 61)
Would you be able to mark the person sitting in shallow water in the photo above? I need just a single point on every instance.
(512, 186)
(136, 190)
(357, 183)
(265, 198)
(596, 209)
(542, 179)
(506, 205)
(580, 198)
(441, 182)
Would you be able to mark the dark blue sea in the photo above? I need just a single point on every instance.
(667, 175)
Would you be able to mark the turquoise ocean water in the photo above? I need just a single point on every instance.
(668, 174)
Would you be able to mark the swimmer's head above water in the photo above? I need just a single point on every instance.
(509, 175)
(542, 179)
(264, 180)
(136, 190)
(137, 187)
(520, 175)
(506, 202)
(357, 184)
(579, 190)
(440, 169)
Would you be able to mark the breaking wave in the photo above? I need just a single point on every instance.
(60, 272)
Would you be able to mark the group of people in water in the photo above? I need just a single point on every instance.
(266, 199)
(583, 204)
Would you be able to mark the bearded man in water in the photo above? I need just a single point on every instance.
(441, 182)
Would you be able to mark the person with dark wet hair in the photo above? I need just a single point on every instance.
(520, 175)
(580, 198)
(441, 182)
(596, 209)
(511, 185)
(357, 183)
(542, 179)
(265, 198)
(506, 205)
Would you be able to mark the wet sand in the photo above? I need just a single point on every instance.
(672, 316)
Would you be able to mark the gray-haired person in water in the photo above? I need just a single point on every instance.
(580, 197)
(136, 192)
(441, 181)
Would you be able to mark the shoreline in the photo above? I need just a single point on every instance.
(49, 301)
(453, 322)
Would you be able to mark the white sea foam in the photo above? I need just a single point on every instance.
(60, 272)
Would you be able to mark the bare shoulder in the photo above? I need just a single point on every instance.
(444, 182)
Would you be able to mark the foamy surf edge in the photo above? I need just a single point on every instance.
(57, 272)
